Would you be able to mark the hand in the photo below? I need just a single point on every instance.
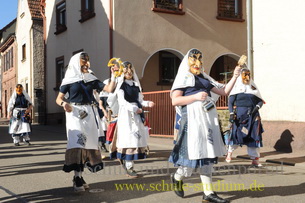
(139, 111)
(201, 96)
(232, 117)
(67, 107)
(151, 104)
(237, 71)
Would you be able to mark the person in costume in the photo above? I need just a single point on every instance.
(19, 108)
(245, 118)
(82, 119)
(132, 135)
(199, 141)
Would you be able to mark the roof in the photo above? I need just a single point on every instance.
(34, 6)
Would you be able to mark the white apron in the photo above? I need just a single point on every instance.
(17, 126)
(204, 137)
(131, 131)
(83, 133)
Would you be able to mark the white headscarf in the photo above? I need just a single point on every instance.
(74, 73)
(240, 87)
(12, 100)
(185, 78)
(112, 97)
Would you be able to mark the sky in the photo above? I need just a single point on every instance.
(8, 11)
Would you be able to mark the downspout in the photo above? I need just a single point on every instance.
(110, 29)
(42, 12)
(250, 36)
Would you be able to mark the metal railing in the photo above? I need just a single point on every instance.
(161, 117)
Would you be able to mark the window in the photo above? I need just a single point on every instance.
(23, 49)
(168, 68)
(230, 10)
(87, 10)
(21, 8)
(61, 24)
(60, 71)
(168, 6)
(8, 60)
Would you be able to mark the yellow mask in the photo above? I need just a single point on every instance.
(245, 76)
(19, 89)
(116, 64)
(195, 63)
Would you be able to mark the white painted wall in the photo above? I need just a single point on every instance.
(24, 36)
(279, 50)
(91, 35)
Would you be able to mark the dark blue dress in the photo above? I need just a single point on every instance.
(247, 129)
(179, 155)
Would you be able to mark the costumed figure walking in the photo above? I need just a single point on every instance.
(132, 135)
(19, 108)
(199, 142)
(82, 118)
(245, 118)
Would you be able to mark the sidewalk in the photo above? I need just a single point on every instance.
(34, 174)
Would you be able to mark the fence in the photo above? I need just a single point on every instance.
(162, 116)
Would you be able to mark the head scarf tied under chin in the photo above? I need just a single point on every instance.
(74, 73)
(240, 87)
(185, 78)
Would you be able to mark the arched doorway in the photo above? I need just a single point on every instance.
(160, 70)
(223, 67)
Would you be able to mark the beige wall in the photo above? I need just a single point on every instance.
(138, 36)
(278, 52)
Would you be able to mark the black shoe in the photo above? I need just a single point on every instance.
(17, 144)
(103, 147)
(86, 186)
(131, 173)
(214, 198)
(178, 186)
(78, 184)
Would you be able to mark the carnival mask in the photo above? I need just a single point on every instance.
(245, 76)
(19, 89)
(116, 65)
(127, 70)
(195, 61)
(84, 62)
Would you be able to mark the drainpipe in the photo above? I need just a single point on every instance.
(110, 29)
(250, 36)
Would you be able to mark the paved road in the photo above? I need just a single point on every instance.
(33, 174)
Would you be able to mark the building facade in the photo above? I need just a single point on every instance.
(30, 55)
(278, 46)
(154, 36)
(8, 50)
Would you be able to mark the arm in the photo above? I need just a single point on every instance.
(123, 102)
(61, 102)
(228, 87)
(102, 108)
(232, 99)
(110, 86)
(28, 110)
(145, 103)
(179, 100)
